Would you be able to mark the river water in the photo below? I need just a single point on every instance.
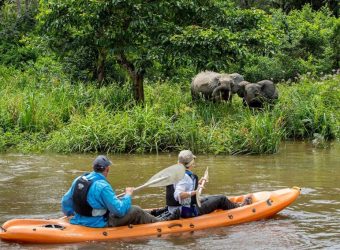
(31, 186)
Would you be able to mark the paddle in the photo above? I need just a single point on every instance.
(167, 176)
(200, 187)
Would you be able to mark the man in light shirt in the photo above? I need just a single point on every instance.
(185, 192)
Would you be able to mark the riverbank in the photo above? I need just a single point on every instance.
(41, 111)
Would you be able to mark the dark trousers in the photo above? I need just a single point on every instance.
(135, 216)
(213, 202)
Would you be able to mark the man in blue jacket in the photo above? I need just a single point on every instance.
(93, 203)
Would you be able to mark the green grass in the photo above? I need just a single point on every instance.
(311, 106)
(41, 111)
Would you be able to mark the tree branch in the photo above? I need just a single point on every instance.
(122, 60)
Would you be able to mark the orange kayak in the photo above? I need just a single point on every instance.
(265, 204)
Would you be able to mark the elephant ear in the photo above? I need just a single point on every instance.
(237, 78)
(214, 82)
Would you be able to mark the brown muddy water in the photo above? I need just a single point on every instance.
(31, 186)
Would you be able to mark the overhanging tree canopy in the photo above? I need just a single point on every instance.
(139, 32)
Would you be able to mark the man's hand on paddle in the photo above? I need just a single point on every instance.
(129, 190)
(201, 180)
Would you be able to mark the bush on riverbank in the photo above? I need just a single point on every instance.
(311, 107)
(40, 112)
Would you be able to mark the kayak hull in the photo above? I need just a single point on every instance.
(265, 204)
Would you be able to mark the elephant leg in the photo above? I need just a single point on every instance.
(244, 102)
(230, 98)
(226, 95)
(194, 96)
(255, 104)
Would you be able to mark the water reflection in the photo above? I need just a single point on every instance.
(31, 186)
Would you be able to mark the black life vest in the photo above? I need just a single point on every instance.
(170, 190)
(195, 180)
(169, 195)
(79, 196)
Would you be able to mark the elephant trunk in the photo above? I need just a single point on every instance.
(221, 93)
(240, 88)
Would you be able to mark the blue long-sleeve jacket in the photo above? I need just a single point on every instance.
(100, 196)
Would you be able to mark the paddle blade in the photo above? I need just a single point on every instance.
(167, 176)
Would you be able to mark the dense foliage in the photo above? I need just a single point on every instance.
(72, 74)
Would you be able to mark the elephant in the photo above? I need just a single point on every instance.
(215, 86)
(255, 95)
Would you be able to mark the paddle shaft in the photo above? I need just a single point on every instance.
(201, 186)
(205, 178)
(146, 185)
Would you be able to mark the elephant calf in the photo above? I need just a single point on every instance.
(215, 86)
(255, 95)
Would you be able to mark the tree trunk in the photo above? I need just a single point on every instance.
(137, 77)
(138, 88)
(101, 65)
(26, 6)
(19, 8)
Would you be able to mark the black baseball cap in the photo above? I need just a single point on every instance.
(101, 162)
